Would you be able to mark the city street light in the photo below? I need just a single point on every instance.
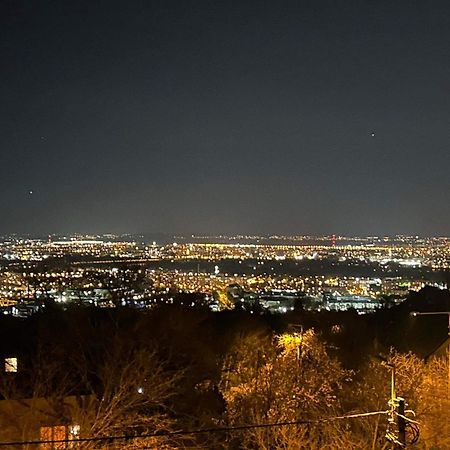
(439, 313)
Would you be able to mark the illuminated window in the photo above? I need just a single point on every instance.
(10, 364)
(51, 434)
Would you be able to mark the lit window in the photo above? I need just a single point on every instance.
(10, 364)
(51, 434)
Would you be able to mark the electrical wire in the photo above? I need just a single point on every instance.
(415, 432)
(164, 433)
(406, 418)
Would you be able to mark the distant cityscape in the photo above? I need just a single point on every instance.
(261, 274)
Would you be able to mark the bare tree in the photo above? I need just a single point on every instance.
(433, 410)
(291, 378)
(126, 393)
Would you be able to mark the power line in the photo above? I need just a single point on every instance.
(408, 419)
(164, 433)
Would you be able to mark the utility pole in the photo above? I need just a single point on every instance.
(401, 422)
(396, 431)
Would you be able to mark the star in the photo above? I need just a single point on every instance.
(372, 134)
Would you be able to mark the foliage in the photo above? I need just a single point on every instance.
(182, 368)
(126, 392)
(422, 384)
(288, 378)
(433, 404)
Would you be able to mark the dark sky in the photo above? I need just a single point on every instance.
(225, 116)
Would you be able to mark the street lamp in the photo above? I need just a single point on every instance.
(439, 313)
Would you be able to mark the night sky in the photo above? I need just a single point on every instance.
(229, 116)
